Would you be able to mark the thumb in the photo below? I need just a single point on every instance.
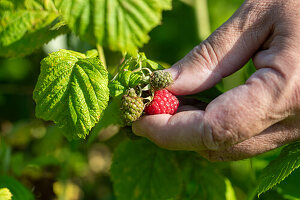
(221, 54)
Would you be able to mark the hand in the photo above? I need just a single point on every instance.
(253, 118)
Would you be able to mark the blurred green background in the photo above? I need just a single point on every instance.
(37, 153)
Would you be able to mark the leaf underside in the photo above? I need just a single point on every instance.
(26, 26)
(121, 25)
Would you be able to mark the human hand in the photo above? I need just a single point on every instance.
(253, 118)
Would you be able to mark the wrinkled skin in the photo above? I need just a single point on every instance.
(253, 118)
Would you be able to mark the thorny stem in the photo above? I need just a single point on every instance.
(101, 54)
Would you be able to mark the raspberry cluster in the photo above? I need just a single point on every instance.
(160, 100)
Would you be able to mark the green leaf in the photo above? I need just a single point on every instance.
(154, 65)
(132, 62)
(134, 80)
(273, 194)
(18, 191)
(140, 171)
(120, 25)
(280, 168)
(116, 88)
(202, 180)
(26, 26)
(230, 193)
(290, 185)
(6, 5)
(5, 194)
(124, 78)
(124, 81)
(72, 91)
(249, 69)
(91, 53)
(129, 79)
(131, 73)
(111, 116)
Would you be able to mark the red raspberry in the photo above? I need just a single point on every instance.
(164, 102)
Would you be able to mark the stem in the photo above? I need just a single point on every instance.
(114, 78)
(202, 17)
(147, 69)
(188, 2)
(140, 91)
(101, 54)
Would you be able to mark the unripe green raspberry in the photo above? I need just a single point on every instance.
(160, 80)
(132, 107)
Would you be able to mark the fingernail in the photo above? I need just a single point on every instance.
(208, 139)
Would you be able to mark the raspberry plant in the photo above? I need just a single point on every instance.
(77, 92)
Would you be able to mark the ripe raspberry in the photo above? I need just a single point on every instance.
(164, 102)
(132, 107)
(160, 80)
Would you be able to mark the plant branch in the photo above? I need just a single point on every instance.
(202, 17)
(101, 54)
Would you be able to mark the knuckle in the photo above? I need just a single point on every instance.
(223, 137)
(204, 55)
(281, 79)
(223, 130)
(263, 58)
(254, 14)
(252, 19)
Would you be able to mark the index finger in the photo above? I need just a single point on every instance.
(181, 131)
